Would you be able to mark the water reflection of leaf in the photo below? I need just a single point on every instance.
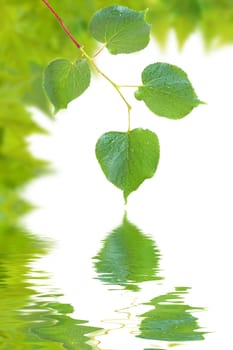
(128, 257)
(170, 319)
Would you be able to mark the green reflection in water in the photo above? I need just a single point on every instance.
(28, 319)
(170, 319)
(128, 257)
(52, 328)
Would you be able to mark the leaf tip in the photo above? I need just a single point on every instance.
(59, 107)
(201, 102)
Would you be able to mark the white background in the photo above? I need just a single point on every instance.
(186, 207)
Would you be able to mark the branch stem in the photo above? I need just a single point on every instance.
(66, 30)
(99, 51)
(116, 87)
(129, 86)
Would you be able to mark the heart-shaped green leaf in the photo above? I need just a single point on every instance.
(121, 29)
(167, 91)
(64, 81)
(128, 158)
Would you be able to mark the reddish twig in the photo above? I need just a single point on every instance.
(76, 43)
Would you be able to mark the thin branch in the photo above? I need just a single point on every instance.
(129, 118)
(112, 83)
(99, 51)
(129, 86)
(76, 43)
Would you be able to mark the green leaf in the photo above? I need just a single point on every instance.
(127, 159)
(167, 91)
(121, 29)
(64, 81)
